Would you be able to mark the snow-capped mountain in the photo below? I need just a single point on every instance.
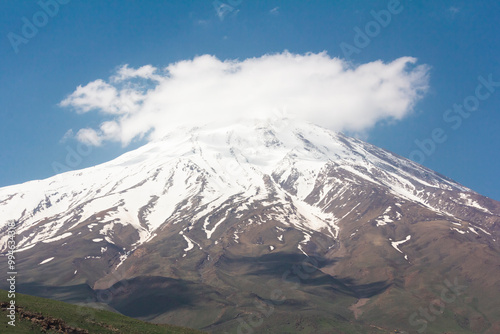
(198, 204)
(200, 172)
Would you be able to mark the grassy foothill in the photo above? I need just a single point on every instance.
(41, 315)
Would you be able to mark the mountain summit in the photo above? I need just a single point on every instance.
(255, 225)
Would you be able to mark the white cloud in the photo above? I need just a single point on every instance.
(274, 11)
(313, 87)
(95, 95)
(144, 72)
(90, 137)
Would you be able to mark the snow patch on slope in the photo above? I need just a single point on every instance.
(62, 236)
(46, 260)
(395, 244)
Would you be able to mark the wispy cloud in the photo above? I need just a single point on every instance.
(222, 10)
(274, 11)
(91, 137)
(202, 22)
(454, 10)
(205, 90)
(69, 134)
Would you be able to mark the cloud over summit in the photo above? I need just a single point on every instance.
(314, 87)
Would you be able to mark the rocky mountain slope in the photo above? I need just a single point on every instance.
(260, 226)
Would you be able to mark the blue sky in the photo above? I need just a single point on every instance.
(83, 41)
